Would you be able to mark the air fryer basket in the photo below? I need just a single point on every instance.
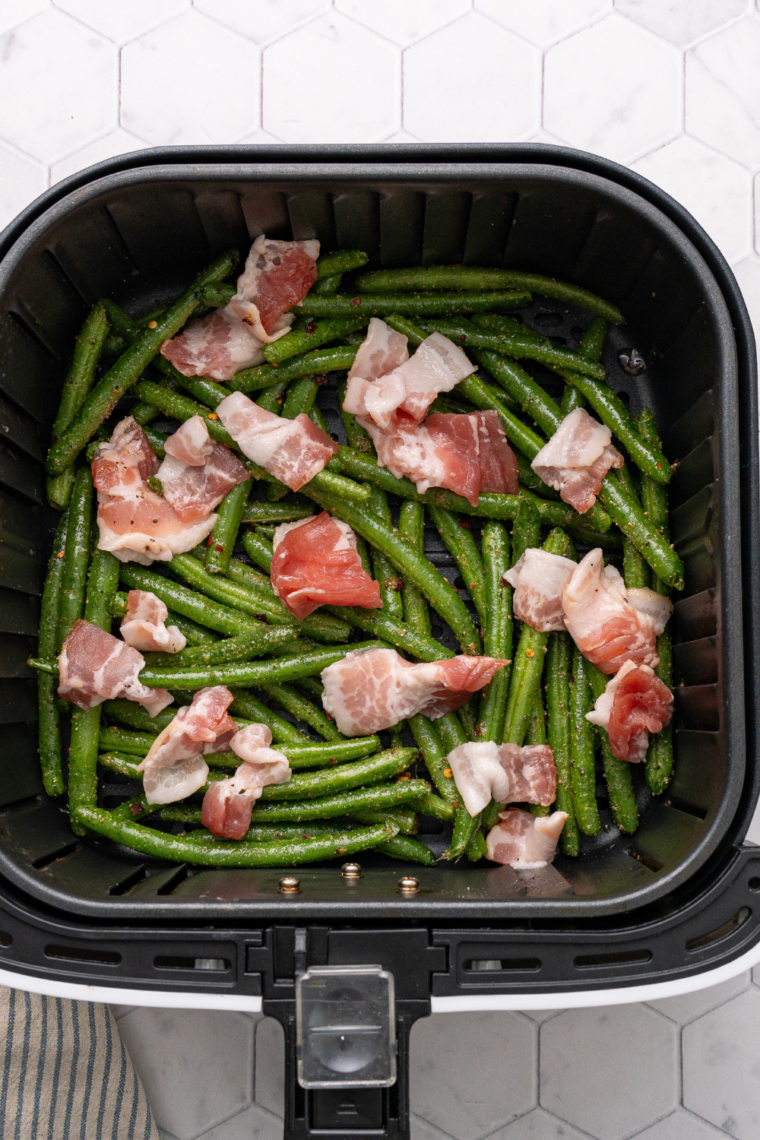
(139, 233)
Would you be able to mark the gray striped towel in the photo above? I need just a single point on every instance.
(65, 1074)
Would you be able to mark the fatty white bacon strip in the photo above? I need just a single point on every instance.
(190, 443)
(277, 275)
(218, 346)
(635, 703)
(174, 767)
(294, 451)
(539, 580)
(94, 666)
(602, 620)
(503, 772)
(372, 690)
(135, 524)
(577, 458)
(144, 625)
(381, 352)
(195, 489)
(526, 842)
(227, 805)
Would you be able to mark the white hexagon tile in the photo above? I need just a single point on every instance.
(670, 87)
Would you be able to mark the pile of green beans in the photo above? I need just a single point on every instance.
(351, 795)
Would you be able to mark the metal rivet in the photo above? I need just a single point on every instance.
(632, 362)
(289, 885)
(351, 871)
(408, 885)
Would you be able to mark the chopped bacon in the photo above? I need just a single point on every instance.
(577, 458)
(526, 842)
(174, 767)
(217, 345)
(136, 524)
(465, 453)
(144, 625)
(504, 772)
(194, 490)
(316, 563)
(602, 621)
(227, 804)
(190, 443)
(654, 605)
(277, 275)
(294, 451)
(437, 366)
(382, 351)
(368, 691)
(635, 703)
(539, 580)
(94, 666)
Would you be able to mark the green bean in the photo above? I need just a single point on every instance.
(88, 347)
(384, 571)
(659, 761)
(410, 850)
(254, 643)
(469, 719)
(461, 277)
(310, 335)
(318, 755)
(410, 305)
(497, 641)
(223, 537)
(247, 705)
(49, 731)
(124, 763)
(411, 526)
(341, 261)
(300, 398)
(634, 524)
(582, 748)
(252, 673)
(101, 587)
(635, 569)
(195, 606)
(617, 773)
(312, 363)
(476, 848)
(526, 530)
(410, 563)
(375, 797)
(303, 709)
(558, 665)
(111, 738)
(626, 480)
(128, 712)
(311, 687)
(343, 778)
(259, 512)
(450, 731)
(83, 759)
(414, 334)
(77, 552)
(222, 854)
(402, 636)
(357, 436)
(123, 374)
(486, 397)
(429, 743)
(465, 827)
(654, 495)
(592, 341)
(404, 817)
(463, 549)
(182, 813)
(271, 401)
(536, 730)
(435, 806)
(327, 286)
(207, 391)
(522, 343)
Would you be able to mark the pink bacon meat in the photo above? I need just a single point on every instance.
(135, 524)
(227, 805)
(526, 842)
(369, 691)
(382, 351)
(316, 563)
(277, 275)
(144, 625)
(94, 666)
(294, 451)
(218, 345)
(635, 703)
(603, 621)
(539, 580)
(503, 772)
(174, 767)
(577, 458)
(195, 489)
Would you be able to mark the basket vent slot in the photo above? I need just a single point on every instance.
(55, 856)
(125, 885)
(174, 962)
(494, 965)
(622, 958)
(644, 857)
(5, 940)
(82, 954)
(175, 881)
(688, 809)
(720, 932)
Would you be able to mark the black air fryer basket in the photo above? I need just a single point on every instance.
(680, 896)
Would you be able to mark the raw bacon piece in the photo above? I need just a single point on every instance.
(526, 842)
(498, 465)
(635, 703)
(437, 366)
(368, 691)
(294, 451)
(136, 524)
(484, 771)
(277, 275)
(227, 804)
(539, 580)
(190, 443)
(316, 563)
(217, 345)
(577, 458)
(194, 491)
(144, 625)
(602, 621)
(654, 605)
(174, 766)
(382, 351)
(94, 666)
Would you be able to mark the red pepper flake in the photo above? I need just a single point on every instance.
(219, 548)
(463, 336)
(210, 540)
(355, 301)
(310, 328)
(464, 523)
(213, 416)
(530, 653)
(136, 809)
(404, 776)
(320, 379)
(60, 554)
(152, 324)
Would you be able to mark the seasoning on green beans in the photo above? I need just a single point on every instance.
(49, 730)
(497, 639)
(558, 665)
(76, 554)
(223, 536)
(617, 773)
(463, 549)
(582, 747)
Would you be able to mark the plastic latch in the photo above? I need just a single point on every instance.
(345, 1027)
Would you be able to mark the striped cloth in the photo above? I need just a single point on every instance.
(65, 1074)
